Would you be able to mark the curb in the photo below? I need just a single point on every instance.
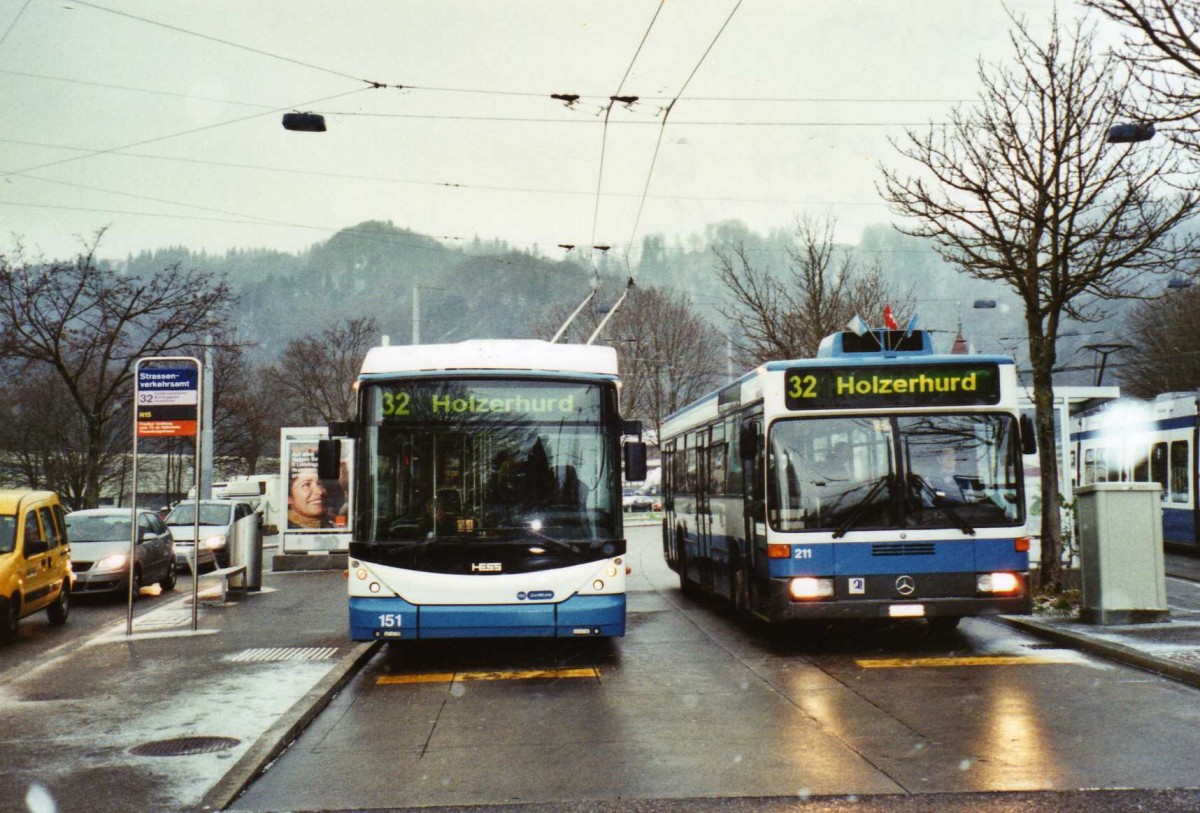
(1106, 649)
(286, 729)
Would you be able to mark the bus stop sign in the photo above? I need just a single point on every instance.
(166, 402)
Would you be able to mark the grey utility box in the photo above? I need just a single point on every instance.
(248, 550)
(1121, 553)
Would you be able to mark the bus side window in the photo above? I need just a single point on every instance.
(691, 470)
(1179, 471)
(1158, 468)
(716, 468)
(733, 458)
(1089, 467)
(1141, 465)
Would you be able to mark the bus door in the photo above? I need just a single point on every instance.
(752, 450)
(721, 546)
(704, 539)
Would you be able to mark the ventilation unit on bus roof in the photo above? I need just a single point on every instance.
(877, 342)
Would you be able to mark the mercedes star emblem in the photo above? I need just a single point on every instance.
(905, 586)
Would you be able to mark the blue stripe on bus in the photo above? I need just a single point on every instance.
(1185, 422)
(1178, 526)
(863, 559)
(394, 618)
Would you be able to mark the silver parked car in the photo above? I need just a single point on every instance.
(217, 518)
(100, 540)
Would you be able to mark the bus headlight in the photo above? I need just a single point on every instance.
(997, 583)
(806, 587)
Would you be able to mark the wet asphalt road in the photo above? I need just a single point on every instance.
(694, 711)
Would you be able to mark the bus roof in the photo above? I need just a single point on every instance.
(492, 354)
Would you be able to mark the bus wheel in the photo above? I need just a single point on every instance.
(685, 584)
(740, 591)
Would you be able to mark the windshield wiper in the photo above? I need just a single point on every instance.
(862, 507)
(528, 533)
(939, 502)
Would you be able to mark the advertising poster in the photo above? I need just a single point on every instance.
(317, 511)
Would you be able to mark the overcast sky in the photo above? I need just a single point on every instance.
(161, 120)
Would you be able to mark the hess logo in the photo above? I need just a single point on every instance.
(486, 567)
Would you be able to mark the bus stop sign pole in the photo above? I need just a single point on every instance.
(167, 403)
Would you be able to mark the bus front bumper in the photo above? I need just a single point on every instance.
(393, 619)
(781, 606)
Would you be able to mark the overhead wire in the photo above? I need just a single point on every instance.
(180, 134)
(13, 24)
(663, 127)
(229, 43)
(130, 89)
(524, 94)
(608, 113)
(374, 85)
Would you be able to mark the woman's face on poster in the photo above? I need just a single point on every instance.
(307, 494)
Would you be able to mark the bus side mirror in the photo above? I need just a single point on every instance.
(635, 461)
(329, 459)
(1028, 436)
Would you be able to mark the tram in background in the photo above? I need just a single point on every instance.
(487, 492)
(878, 480)
(1146, 442)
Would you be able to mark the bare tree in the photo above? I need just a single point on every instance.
(247, 412)
(315, 374)
(786, 317)
(1162, 55)
(1021, 188)
(44, 435)
(669, 357)
(1164, 352)
(90, 325)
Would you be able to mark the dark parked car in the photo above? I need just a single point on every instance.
(100, 541)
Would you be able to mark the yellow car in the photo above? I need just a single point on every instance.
(35, 559)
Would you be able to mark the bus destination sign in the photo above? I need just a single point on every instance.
(931, 385)
(486, 400)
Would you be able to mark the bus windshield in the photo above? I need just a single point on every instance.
(908, 471)
(481, 463)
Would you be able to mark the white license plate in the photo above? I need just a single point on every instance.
(906, 610)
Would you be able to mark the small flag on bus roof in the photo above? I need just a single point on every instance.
(857, 325)
(889, 321)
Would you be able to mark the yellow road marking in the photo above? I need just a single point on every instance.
(984, 660)
(516, 674)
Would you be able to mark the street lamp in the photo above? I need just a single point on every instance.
(1130, 133)
(304, 122)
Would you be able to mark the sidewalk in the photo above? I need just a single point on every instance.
(169, 719)
(1170, 648)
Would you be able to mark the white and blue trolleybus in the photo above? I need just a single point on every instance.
(877, 480)
(1146, 442)
(487, 492)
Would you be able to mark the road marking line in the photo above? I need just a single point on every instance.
(516, 674)
(983, 660)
